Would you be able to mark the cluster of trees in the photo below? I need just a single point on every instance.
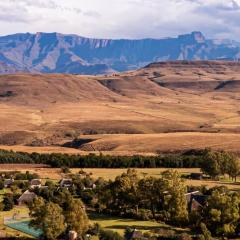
(190, 159)
(57, 217)
(221, 215)
(216, 164)
(145, 198)
(164, 199)
(158, 198)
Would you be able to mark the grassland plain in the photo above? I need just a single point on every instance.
(164, 107)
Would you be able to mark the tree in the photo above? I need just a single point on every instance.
(175, 199)
(151, 192)
(8, 202)
(76, 217)
(205, 232)
(221, 214)
(123, 193)
(53, 221)
(48, 217)
(109, 235)
(233, 168)
(212, 164)
(1, 184)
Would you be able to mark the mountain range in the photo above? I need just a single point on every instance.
(59, 53)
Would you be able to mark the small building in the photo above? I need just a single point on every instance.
(196, 176)
(195, 200)
(26, 198)
(135, 235)
(8, 182)
(35, 183)
(66, 183)
(92, 187)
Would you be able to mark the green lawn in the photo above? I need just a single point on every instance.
(120, 224)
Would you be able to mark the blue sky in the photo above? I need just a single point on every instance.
(122, 18)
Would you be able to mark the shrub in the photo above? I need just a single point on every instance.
(109, 235)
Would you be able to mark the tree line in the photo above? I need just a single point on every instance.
(190, 159)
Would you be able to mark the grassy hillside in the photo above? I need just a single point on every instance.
(177, 97)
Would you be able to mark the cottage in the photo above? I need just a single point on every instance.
(26, 198)
(93, 186)
(196, 176)
(134, 235)
(8, 182)
(195, 200)
(66, 183)
(35, 183)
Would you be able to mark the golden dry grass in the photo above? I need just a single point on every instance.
(199, 97)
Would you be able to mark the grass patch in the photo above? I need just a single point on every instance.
(119, 225)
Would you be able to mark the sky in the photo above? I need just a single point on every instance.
(132, 19)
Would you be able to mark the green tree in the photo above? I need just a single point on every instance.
(222, 213)
(205, 232)
(1, 184)
(212, 164)
(151, 192)
(8, 202)
(76, 217)
(48, 217)
(123, 193)
(233, 168)
(109, 235)
(175, 199)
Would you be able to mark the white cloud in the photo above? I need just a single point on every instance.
(122, 18)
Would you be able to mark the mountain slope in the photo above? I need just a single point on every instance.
(58, 53)
(106, 112)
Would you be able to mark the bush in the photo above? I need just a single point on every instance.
(109, 235)
(8, 202)
(144, 214)
(1, 184)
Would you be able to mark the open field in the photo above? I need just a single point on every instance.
(164, 107)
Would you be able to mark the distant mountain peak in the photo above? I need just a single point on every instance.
(60, 53)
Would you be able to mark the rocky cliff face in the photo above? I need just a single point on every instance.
(54, 52)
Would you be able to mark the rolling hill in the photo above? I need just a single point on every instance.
(165, 106)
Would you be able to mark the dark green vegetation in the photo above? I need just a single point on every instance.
(190, 159)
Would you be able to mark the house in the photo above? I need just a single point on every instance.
(66, 183)
(26, 198)
(134, 235)
(93, 186)
(196, 200)
(196, 176)
(35, 183)
(8, 182)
